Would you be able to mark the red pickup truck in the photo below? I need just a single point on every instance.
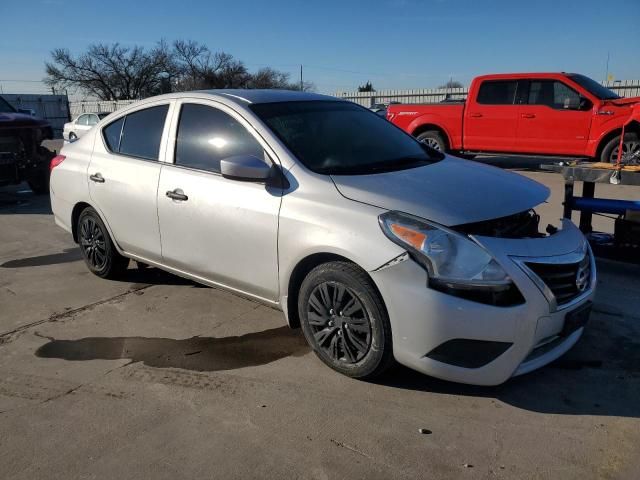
(551, 114)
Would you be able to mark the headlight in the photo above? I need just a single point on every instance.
(451, 259)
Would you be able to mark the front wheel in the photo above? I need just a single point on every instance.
(630, 145)
(97, 248)
(344, 320)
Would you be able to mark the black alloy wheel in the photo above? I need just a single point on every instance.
(339, 322)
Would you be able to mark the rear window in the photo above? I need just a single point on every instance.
(497, 92)
(137, 134)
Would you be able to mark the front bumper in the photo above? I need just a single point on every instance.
(423, 318)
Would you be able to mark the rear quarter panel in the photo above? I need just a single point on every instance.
(447, 117)
(69, 182)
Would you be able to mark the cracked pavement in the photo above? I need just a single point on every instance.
(157, 377)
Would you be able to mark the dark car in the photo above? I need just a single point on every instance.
(22, 156)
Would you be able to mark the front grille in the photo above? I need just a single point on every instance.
(565, 280)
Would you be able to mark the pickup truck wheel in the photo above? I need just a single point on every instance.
(433, 139)
(630, 145)
(97, 248)
(344, 320)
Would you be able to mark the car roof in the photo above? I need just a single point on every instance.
(249, 96)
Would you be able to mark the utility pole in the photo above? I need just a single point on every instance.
(301, 82)
(606, 78)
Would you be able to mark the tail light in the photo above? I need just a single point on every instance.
(55, 161)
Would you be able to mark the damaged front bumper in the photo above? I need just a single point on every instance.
(470, 342)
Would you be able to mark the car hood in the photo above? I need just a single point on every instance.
(624, 101)
(13, 120)
(450, 192)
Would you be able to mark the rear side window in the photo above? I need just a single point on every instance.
(207, 135)
(501, 92)
(83, 120)
(142, 132)
(111, 134)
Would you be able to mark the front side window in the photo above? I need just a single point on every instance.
(93, 119)
(83, 120)
(553, 94)
(339, 137)
(497, 92)
(207, 135)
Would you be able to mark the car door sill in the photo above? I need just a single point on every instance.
(204, 281)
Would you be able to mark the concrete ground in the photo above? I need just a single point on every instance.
(157, 377)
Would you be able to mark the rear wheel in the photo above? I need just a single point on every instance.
(72, 137)
(630, 145)
(97, 248)
(433, 139)
(344, 320)
(39, 184)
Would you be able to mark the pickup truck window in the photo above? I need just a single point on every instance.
(497, 92)
(5, 107)
(593, 87)
(342, 138)
(554, 94)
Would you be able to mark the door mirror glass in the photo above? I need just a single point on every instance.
(245, 167)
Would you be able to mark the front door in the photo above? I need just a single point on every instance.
(123, 179)
(552, 119)
(219, 229)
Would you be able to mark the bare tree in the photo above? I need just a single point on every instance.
(451, 84)
(113, 72)
(110, 72)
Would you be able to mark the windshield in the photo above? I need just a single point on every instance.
(341, 137)
(593, 87)
(5, 107)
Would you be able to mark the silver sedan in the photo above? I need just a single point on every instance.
(379, 247)
(82, 124)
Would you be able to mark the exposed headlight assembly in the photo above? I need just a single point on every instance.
(451, 259)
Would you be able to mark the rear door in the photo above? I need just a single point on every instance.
(490, 121)
(219, 229)
(551, 118)
(124, 174)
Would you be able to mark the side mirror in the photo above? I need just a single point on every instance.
(245, 167)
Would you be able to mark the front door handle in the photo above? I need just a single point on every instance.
(528, 115)
(177, 194)
(96, 177)
(475, 115)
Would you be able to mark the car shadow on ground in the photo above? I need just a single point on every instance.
(202, 354)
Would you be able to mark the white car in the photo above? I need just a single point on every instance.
(378, 246)
(82, 124)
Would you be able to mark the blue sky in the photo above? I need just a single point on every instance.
(393, 43)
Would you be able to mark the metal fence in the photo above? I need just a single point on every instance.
(52, 108)
(106, 106)
(624, 88)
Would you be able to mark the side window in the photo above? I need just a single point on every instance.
(500, 92)
(553, 94)
(111, 134)
(142, 132)
(83, 120)
(93, 119)
(207, 135)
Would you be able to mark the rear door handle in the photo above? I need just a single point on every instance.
(177, 194)
(96, 177)
(528, 115)
(475, 115)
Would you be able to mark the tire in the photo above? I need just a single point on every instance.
(98, 251)
(631, 143)
(433, 139)
(72, 137)
(349, 332)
